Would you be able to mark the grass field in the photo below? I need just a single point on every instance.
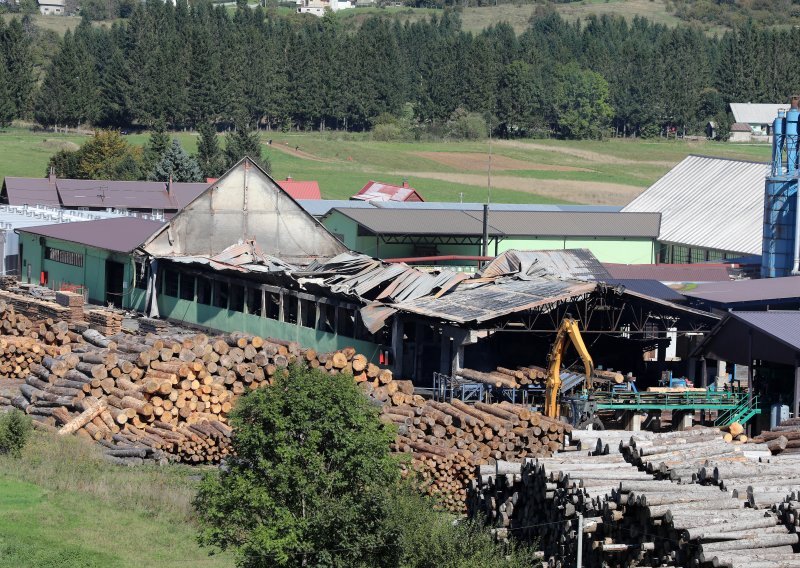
(61, 506)
(523, 171)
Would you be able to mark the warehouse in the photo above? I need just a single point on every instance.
(711, 209)
(418, 232)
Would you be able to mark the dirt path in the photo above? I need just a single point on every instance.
(587, 192)
(297, 153)
(474, 161)
(583, 154)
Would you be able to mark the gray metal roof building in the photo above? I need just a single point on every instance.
(121, 234)
(763, 291)
(511, 223)
(711, 203)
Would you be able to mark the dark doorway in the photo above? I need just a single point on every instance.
(115, 275)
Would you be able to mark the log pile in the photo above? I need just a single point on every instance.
(629, 516)
(18, 354)
(783, 439)
(448, 440)
(503, 377)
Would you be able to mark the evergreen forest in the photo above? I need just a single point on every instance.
(189, 66)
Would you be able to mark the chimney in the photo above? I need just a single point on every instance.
(288, 178)
(405, 182)
(169, 185)
(52, 177)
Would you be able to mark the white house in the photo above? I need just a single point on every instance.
(52, 7)
(758, 117)
(318, 7)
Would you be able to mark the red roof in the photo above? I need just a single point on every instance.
(672, 272)
(301, 189)
(378, 191)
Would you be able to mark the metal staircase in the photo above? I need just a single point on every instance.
(741, 413)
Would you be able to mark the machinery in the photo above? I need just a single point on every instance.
(568, 331)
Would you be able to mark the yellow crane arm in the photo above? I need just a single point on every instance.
(567, 330)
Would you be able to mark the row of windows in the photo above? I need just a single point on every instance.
(284, 307)
(63, 256)
(677, 254)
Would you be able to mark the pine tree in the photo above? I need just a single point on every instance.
(156, 146)
(7, 107)
(209, 154)
(244, 142)
(15, 45)
(176, 165)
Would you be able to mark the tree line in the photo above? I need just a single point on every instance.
(188, 66)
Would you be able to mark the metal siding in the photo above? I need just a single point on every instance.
(711, 203)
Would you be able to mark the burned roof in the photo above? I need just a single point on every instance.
(420, 221)
(100, 193)
(571, 263)
(120, 234)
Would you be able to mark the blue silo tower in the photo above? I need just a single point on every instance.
(780, 251)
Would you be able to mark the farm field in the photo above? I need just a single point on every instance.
(608, 172)
(61, 506)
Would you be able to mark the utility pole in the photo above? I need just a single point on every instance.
(489, 176)
(579, 563)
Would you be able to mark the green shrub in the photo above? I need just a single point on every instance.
(15, 429)
(390, 133)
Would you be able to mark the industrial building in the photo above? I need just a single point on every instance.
(711, 209)
(155, 198)
(407, 233)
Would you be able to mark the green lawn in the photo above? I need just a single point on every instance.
(535, 171)
(62, 507)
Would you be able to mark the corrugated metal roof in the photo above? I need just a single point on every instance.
(671, 272)
(652, 288)
(379, 191)
(121, 234)
(573, 263)
(748, 290)
(323, 207)
(756, 113)
(782, 325)
(301, 189)
(511, 223)
(101, 193)
(709, 202)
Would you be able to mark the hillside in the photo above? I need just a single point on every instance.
(523, 171)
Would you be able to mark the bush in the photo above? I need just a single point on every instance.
(467, 126)
(390, 133)
(15, 429)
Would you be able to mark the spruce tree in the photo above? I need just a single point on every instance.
(15, 45)
(157, 145)
(177, 165)
(244, 142)
(7, 108)
(209, 154)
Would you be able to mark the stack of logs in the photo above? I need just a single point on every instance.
(629, 516)
(503, 377)
(168, 398)
(784, 438)
(448, 440)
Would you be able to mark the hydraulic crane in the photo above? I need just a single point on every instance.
(568, 330)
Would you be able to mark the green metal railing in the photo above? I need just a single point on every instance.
(686, 400)
(743, 412)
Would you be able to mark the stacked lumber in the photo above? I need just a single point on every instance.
(106, 321)
(629, 517)
(35, 309)
(448, 440)
(73, 302)
(152, 325)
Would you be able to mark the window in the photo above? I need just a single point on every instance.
(187, 287)
(203, 291)
(254, 301)
(273, 306)
(697, 255)
(236, 302)
(157, 212)
(142, 274)
(308, 313)
(680, 255)
(716, 255)
(289, 308)
(63, 256)
(220, 294)
(171, 283)
(327, 318)
(344, 323)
